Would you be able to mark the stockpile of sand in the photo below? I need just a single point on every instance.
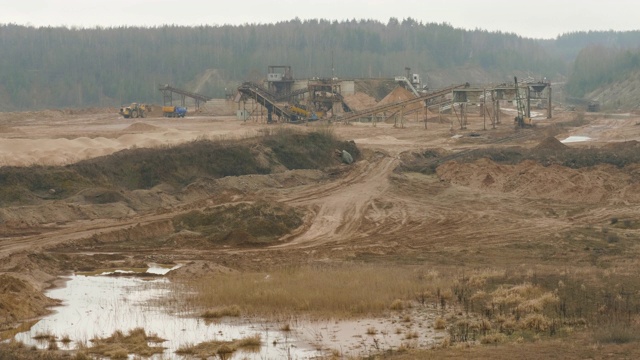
(141, 127)
(400, 94)
(61, 151)
(360, 101)
(551, 144)
(531, 179)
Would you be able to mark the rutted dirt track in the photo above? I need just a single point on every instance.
(365, 205)
(339, 209)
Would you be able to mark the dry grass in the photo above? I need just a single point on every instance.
(411, 335)
(221, 348)
(65, 339)
(342, 292)
(228, 311)
(15, 350)
(119, 346)
(44, 336)
(484, 305)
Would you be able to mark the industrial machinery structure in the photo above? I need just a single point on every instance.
(523, 119)
(398, 108)
(280, 79)
(288, 100)
(168, 91)
(265, 98)
(134, 110)
(411, 82)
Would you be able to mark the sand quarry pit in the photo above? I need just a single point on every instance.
(474, 215)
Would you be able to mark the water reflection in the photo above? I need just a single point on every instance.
(97, 306)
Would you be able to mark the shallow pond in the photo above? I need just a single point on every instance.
(97, 306)
(575, 138)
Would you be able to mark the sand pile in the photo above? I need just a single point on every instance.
(141, 127)
(532, 180)
(400, 94)
(61, 151)
(360, 101)
(552, 144)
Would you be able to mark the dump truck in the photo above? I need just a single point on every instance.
(134, 110)
(174, 111)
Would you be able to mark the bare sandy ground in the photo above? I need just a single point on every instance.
(470, 211)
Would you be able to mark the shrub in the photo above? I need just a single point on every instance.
(397, 305)
(440, 324)
(231, 311)
(617, 333)
(495, 338)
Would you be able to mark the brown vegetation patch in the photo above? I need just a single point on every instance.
(344, 291)
(242, 224)
(222, 349)
(119, 346)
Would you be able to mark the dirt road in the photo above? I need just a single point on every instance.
(464, 213)
(362, 203)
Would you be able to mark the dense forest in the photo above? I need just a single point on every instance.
(597, 66)
(50, 67)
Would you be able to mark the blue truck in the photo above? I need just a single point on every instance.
(174, 111)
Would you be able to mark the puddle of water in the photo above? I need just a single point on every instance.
(97, 306)
(572, 139)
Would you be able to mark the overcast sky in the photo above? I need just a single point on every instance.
(529, 18)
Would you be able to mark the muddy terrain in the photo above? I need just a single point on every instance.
(492, 210)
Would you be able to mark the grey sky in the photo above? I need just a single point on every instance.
(530, 18)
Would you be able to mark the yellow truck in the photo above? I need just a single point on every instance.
(135, 110)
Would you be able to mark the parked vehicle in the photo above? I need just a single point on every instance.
(135, 110)
(174, 111)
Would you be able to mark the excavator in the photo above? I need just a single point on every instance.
(521, 120)
(135, 110)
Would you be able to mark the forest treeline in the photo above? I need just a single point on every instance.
(50, 67)
(597, 66)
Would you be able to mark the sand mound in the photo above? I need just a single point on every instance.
(6, 129)
(532, 180)
(360, 101)
(400, 94)
(551, 143)
(141, 127)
